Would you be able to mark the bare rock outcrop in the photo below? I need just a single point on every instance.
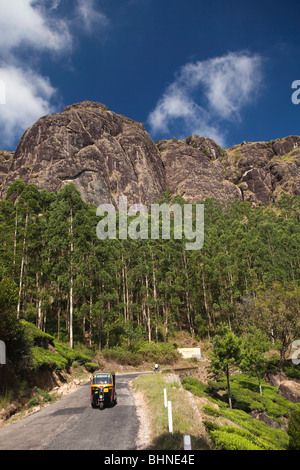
(290, 390)
(194, 170)
(104, 154)
(265, 170)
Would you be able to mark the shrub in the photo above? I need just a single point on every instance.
(275, 437)
(162, 353)
(71, 354)
(292, 371)
(91, 366)
(44, 359)
(251, 433)
(294, 431)
(122, 356)
(201, 390)
(36, 336)
(210, 426)
(211, 411)
(230, 438)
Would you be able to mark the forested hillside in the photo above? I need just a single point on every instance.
(57, 274)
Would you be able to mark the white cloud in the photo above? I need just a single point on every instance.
(28, 28)
(89, 18)
(25, 22)
(28, 97)
(207, 93)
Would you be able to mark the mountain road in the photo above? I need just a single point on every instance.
(72, 424)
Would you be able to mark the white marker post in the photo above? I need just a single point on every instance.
(165, 397)
(2, 353)
(170, 417)
(187, 442)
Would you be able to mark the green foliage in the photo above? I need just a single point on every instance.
(40, 397)
(225, 351)
(119, 295)
(249, 431)
(294, 430)
(201, 390)
(246, 396)
(45, 359)
(274, 437)
(232, 438)
(161, 353)
(122, 356)
(37, 337)
(291, 370)
(253, 352)
(70, 354)
(211, 411)
(91, 366)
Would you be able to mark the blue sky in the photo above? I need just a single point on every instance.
(220, 69)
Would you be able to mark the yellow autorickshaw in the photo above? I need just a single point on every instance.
(103, 389)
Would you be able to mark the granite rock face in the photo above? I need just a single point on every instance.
(106, 155)
(194, 170)
(265, 170)
(5, 163)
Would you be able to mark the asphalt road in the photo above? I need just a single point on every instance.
(72, 424)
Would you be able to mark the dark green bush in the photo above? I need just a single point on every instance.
(44, 359)
(210, 426)
(71, 354)
(211, 411)
(294, 430)
(201, 390)
(162, 353)
(231, 438)
(251, 434)
(275, 437)
(122, 356)
(91, 366)
(36, 336)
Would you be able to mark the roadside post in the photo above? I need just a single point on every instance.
(187, 442)
(2, 353)
(170, 417)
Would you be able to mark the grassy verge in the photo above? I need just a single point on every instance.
(185, 419)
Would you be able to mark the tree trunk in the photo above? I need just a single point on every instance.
(155, 297)
(71, 282)
(228, 387)
(148, 310)
(187, 296)
(206, 305)
(22, 268)
(259, 383)
(91, 320)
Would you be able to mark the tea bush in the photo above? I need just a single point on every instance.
(250, 433)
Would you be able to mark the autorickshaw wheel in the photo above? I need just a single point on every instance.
(101, 406)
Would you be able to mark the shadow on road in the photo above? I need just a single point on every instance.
(69, 411)
(168, 441)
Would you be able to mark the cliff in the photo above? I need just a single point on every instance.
(106, 155)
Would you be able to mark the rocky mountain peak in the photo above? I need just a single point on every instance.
(106, 155)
